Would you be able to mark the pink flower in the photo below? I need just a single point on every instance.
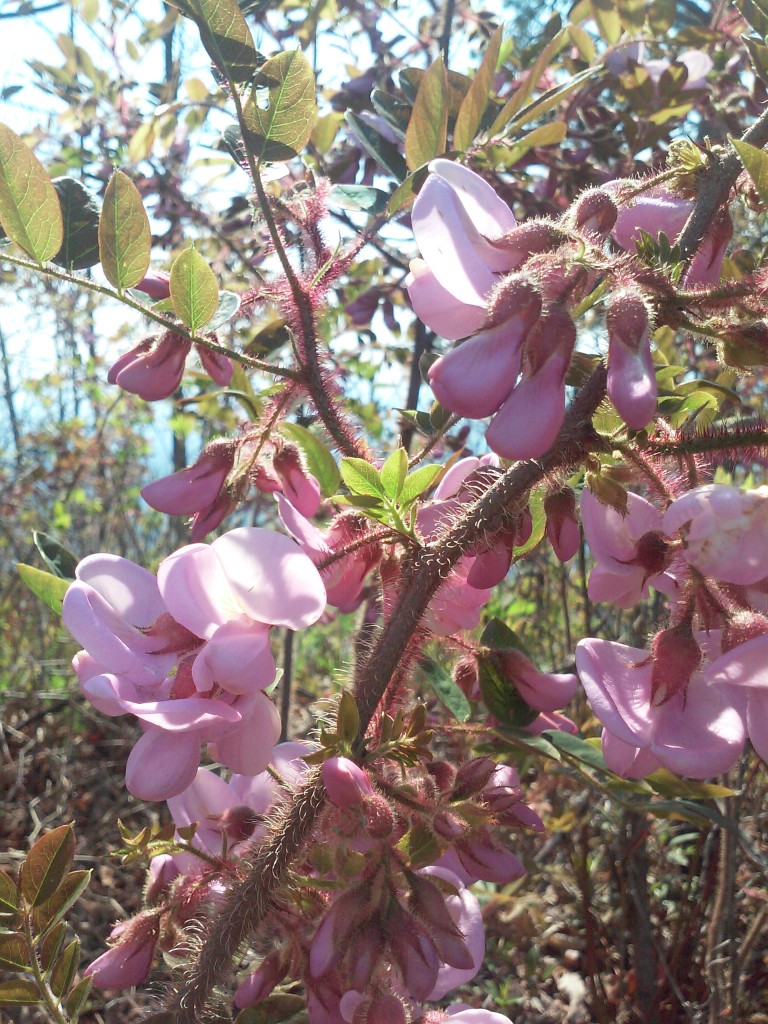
(562, 525)
(469, 1016)
(725, 530)
(154, 368)
(260, 983)
(156, 284)
(455, 219)
(127, 963)
(696, 63)
(745, 668)
(189, 654)
(630, 551)
(696, 731)
(345, 577)
(196, 491)
(543, 691)
(655, 211)
(465, 915)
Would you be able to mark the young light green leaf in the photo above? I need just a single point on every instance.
(125, 240)
(475, 102)
(361, 477)
(523, 93)
(756, 163)
(419, 481)
(59, 559)
(539, 524)
(667, 784)
(319, 460)
(80, 212)
(225, 36)
(281, 129)
(348, 717)
(46, 865)
(545, 135)
(393, 473)
(608, 20)
(49, 588)
(194, 290)
(425, 137)
(19, 992)
(30, 212)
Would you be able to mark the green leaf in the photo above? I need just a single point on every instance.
(539, 527)
(194, 290)
(756, 14)
(52, 910)
(457, 84)
(608, 21)
(29, 206)
(756, 163)
(579, 749)
(549, 99)
(229, 304)
(523, 92)
(19, 992)
(281, 129)
(500, 695)
(419, 481)
(527, 742)
(499, 637)
(52, 944)
(447, 690)
(685, 810)
(361, 477)
(49, 588)
(125, 241)
(14, 955)
(59, 559)
(320, 462)
(348, 717)
(419, 846)
(475, 102)
(425, 137)
(9, 894)
(46, 865)
(551, 134)
(80, 212)
(63, 973)
(279, 1007)
(759, 54)
(383, 152)
(393, 473)
(225, 36)
(76, 999)
(667, 784)
(359, 197)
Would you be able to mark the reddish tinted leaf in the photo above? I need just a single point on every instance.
(47, 864)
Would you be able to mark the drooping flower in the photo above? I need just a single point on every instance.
(197, 491)
(631, 384)
(697, 731)
(127, 963)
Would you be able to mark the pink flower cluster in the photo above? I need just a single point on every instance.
(688, 704)
(188, 653)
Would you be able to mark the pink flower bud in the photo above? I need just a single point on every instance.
(239, 823)
(524, 240)
(514, 296)
(502, 789)
(386, 1009)
(380, 821)
(151, 372)
(485, 859)
(472, 777)
(193, 489)
(428, 905)
(260, 983)
(156, 284)
(299, 486)
(442, 772)
(676, 656)
(467, 679)
(631, 384)
(162, 871)
(218, 366)
(448, 826)
(595, 211)
(562, 525)
(345, 782)
(128, 962)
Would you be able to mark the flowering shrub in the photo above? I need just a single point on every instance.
(334, 875)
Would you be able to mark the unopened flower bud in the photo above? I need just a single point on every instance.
(744, 345)
(742, 627)
(156, 284)
(595, 211)
(443, 773)
(514, 296)
(527, 239)
(631, 384)
(127, 963)
(466, 677)
(162, 871)
(676, 656)
(562, 525)
(299, 486)
(448, 826)
(385, 1009)
(380, 820)
(239, 823)
(345, 782)
(472, 777)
